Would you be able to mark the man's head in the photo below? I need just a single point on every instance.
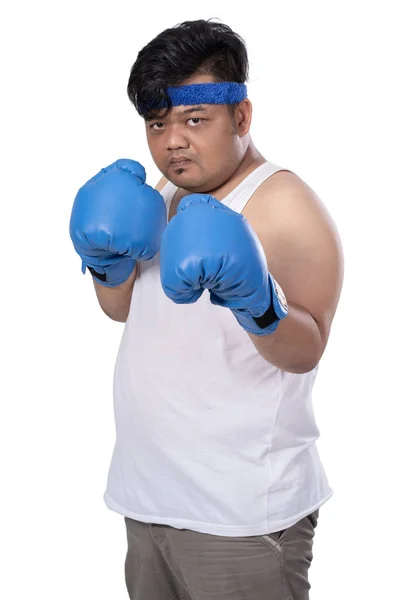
(213, 137)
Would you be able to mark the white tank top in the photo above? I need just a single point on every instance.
(209, 436)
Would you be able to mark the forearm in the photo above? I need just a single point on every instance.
(115, 301)
(295, 346)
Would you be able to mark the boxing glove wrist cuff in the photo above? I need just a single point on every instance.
(268, 322)
(114, 275)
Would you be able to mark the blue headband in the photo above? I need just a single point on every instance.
(227, 92)
(207, 93)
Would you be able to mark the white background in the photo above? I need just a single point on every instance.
(323, 85)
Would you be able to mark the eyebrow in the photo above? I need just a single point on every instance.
(181, 113)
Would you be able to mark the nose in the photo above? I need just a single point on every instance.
(176, 138)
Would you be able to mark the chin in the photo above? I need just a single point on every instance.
(186, 182)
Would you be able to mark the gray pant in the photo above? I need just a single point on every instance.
(164, 563)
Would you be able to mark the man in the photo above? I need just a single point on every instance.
(228, 275)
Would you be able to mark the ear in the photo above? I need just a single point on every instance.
(243, 115)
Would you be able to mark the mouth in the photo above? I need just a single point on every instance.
(177, 163)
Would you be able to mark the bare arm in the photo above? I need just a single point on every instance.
(304, 255)
(115, 302)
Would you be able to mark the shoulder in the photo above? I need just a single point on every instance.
(282, 200)
(301, 243)
(285, 207)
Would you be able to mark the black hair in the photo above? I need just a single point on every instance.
(193, 47)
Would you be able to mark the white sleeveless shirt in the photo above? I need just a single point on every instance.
(209, 436)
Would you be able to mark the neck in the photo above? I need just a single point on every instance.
(250, 161)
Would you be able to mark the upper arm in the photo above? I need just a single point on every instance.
(302, 246)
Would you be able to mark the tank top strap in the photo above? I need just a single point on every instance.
(239, 197)
(168, 192)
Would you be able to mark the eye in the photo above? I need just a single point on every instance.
(157, 126)
(195, 121)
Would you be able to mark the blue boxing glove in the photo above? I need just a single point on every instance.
(116, 220)
(209, 246)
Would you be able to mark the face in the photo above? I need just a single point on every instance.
(199, 147)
